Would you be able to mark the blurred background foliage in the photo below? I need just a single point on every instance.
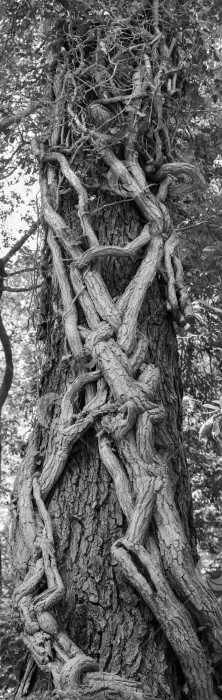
(196, 113)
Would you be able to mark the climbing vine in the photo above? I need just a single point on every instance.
(112, 76)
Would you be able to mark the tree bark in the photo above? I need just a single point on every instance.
(104, 615)
(103, 535)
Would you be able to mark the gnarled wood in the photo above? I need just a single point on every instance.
(120, 397)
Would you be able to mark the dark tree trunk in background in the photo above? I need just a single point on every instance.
(110, 599)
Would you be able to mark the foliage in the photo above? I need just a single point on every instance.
(17, 309)
(200, 361)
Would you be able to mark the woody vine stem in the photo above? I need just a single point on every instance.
(121, 388)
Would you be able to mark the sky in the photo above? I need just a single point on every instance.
(23, 199)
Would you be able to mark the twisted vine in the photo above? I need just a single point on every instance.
(121, 392)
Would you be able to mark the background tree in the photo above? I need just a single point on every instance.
(17, 309)
(105, 467)
(12, 330)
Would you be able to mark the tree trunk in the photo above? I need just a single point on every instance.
(103, 614)
(104, 535)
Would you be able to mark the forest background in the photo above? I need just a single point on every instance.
(199, 218)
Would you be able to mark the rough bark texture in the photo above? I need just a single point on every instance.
(103, 533)
(103, 613)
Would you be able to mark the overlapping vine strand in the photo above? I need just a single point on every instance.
(122, 410)
(121, 387)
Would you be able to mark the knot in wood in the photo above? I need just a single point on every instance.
(102, 333)
(47, 623)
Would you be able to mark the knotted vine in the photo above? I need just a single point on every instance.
(118, 116)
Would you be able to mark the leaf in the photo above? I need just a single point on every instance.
(217, 426)
(206, 428)
(50, 58)
(211, 406)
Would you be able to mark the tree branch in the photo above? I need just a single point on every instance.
(8, 160)
(21, 289)
(20, 272)
(8, 375)
(18, 116)
(19, 243)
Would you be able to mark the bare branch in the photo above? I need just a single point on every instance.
(120, 98)
(20, 272)
(8, 160)
(18, 116)
(20, 243)
(21, 289)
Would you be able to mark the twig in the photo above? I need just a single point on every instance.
(21, 289)
(18, 116)
(19, 272)
(19, 243)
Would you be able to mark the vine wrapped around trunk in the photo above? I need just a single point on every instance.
(121, 388)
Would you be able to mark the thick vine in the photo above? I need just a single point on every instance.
(121, 389)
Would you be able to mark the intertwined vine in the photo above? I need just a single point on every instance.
(118, 116)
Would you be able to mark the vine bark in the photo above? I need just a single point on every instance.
(112, 387)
